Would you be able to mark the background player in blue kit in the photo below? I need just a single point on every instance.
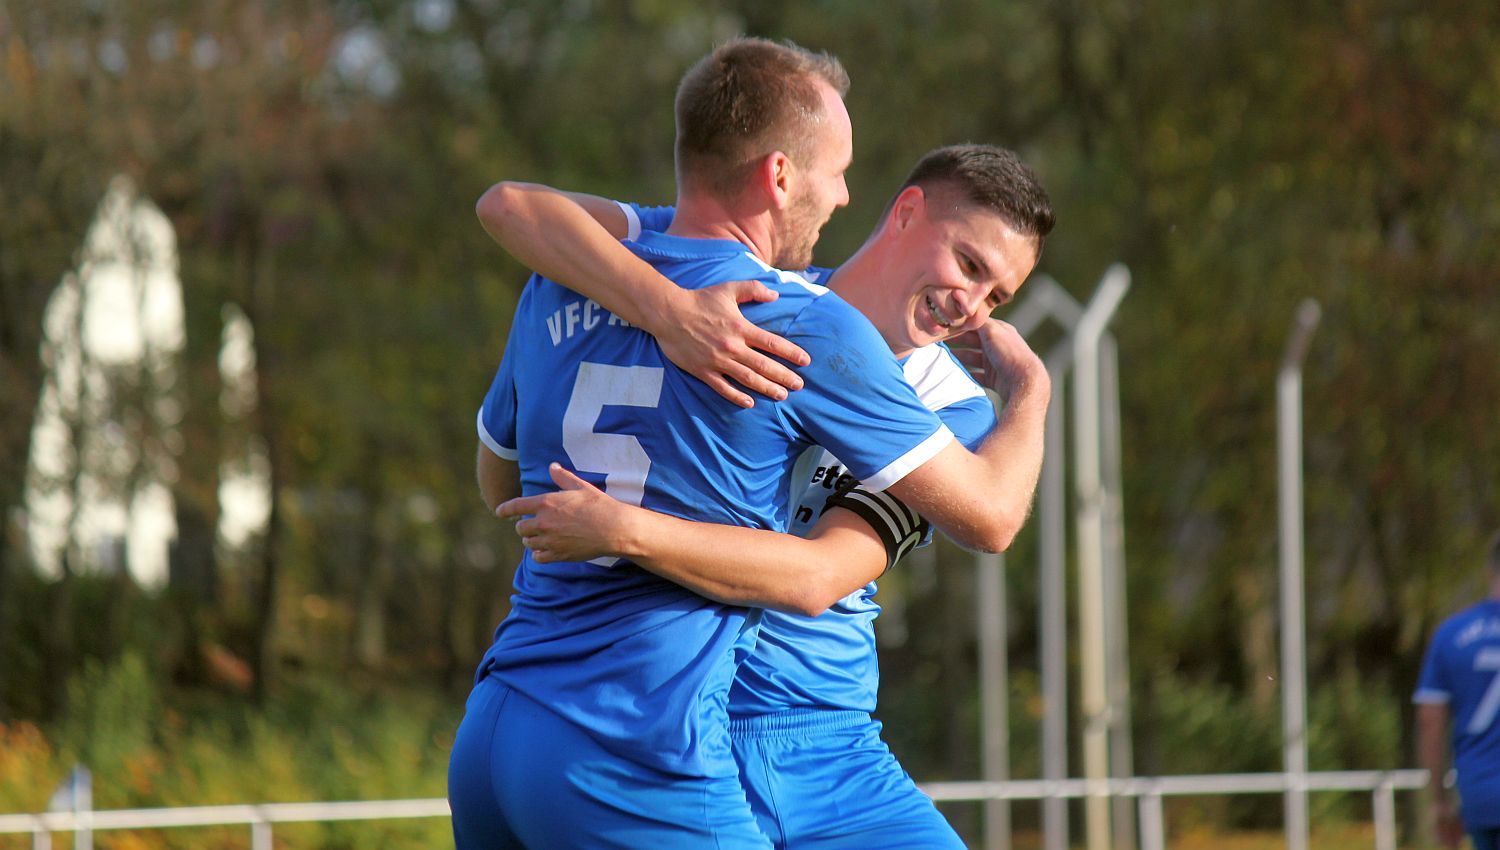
(811, 758)
(599, 717)
(1461, 681)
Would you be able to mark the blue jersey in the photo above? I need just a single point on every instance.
(643, 664)
(829, 661)
(1462, 670)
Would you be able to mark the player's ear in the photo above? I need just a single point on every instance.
(774, 175)
(909, 206)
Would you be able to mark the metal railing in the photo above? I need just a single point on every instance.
(259, 818)
(1148, 791)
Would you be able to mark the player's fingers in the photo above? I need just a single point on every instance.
(566, 479)
(717, 383)
(751, 290)
(528, 528)
(518, 507)
(770, 369)
(754, 381)
(778, 346)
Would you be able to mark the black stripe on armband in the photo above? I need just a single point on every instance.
(900, 529)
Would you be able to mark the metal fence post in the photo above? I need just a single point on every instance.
(1092, 641)
(1293, 584)
(260, 835)
(1152, 821)
(994, 694)
(1385, 815)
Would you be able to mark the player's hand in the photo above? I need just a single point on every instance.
(998, 357)
(576, 523)
(713, 341)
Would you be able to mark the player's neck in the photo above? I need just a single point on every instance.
(856, 272)
(857, 279)
(704, 217)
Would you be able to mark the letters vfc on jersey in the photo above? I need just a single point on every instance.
(574, 316)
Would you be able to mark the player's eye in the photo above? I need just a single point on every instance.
(968, 265)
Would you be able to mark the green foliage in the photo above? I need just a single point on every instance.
(113, 711)
(324, 741)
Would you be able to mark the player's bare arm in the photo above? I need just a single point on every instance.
(1432, 754)
(499, 479)
(982, 498)
(575, 238)
(737, 566)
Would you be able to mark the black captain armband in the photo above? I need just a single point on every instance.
(900, 528)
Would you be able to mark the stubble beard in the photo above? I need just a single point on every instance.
(798, 235)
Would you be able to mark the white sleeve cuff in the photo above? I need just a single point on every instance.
(1430, 696)
(632, 222)
(492, 444)
(901, 466)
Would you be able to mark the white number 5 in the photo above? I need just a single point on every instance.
(619, 457)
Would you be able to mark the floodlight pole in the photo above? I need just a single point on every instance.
(1090, 493)
(1116, 620)
(1293, 625)
(993, 701)
(1052, 619)
(1046, 299)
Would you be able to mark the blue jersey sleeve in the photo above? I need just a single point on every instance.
(902, 529)
(970, 420)
(1433, 685)
(641, 219)
(944, 385)
(855, 401)
(971, 414)
(497, 415)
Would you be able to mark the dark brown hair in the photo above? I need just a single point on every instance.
(747, 98)
(989, 177)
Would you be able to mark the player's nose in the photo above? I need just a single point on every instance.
(969, 303)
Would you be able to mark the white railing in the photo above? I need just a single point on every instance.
(258, 818)
(1148, 791)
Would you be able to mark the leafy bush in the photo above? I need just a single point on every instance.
(322, 741)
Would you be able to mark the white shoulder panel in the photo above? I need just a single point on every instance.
(939, 379)
(790, 277)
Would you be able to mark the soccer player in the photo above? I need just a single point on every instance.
(598, 717)
(1461, 680)
(814, 767)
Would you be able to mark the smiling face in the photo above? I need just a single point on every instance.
(946, 267)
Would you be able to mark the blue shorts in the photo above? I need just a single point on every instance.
(523, 777)
(1486, 838)
(824, 779)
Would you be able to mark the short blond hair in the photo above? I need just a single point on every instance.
(746, 99)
